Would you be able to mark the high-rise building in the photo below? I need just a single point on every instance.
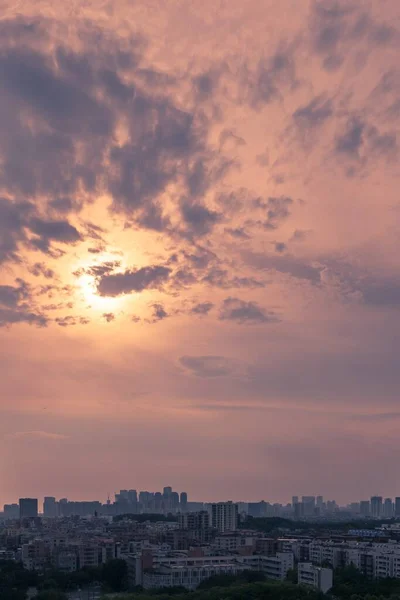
(397, 507)
(11, 511)
(224, 516)
(376, 506)
(183, 501)
(365, 509)
(167, 492)
(197, 520)
(295, 500)
(50, 507)
(28, 507)
(388, 508)
(320, 502)
(308, 505)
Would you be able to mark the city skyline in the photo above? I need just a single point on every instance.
(199, 247)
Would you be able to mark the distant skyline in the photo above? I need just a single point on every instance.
(191, 498)
(199, 247)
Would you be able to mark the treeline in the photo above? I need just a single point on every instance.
(15, 580)
(234, 590)
(271, 524)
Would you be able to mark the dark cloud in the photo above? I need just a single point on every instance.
(220, 278)
(271, 78)
(11, 317)
(336, 27)
(65, 205)
(287, 264)
(103, 269)
(202, 308)
(207, 366)
(59, 231)
(238, 233)
(198, 218)
(277, 210)
(242, 312)
(40, 269)
(11, 296)
(12, 222)
(352, 139)
(314, 114)
(159, 313)
(108, 317)
(280, 247)
(363, 143)
(115, 284)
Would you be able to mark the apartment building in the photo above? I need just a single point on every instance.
(317, 577)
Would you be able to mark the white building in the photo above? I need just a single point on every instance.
(317, 577)
(277, 567)
(224, 516)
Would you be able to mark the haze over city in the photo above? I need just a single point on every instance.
(199, 248)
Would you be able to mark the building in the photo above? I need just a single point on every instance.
(224, 516)
(388, 508)
(376, 506)
(277, 567)
(196, 520)
(50, 508)
(316, 577)
(183, 501)
(189, 571)
(28, 507)
(11, 511)
(365, 509)
(397, 507)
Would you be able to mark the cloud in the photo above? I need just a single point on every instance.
(115, 284)
(336, 27)
(11, 317)
(207, 366)
(198, 218)
(13, 216)
(314, 114)
(242, 312)
(288, 265)
(277, 210)
(202, 308)
(109, 317)
(11, 296)
(218, 277)
(39, 269)
(159, 313)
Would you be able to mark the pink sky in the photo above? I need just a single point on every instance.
(199, 248)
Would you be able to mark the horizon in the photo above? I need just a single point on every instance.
(199, 247)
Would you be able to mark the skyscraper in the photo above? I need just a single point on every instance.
(397, 507)
(50, 507)
(388, 508)
(376, 506)
(224, 516)
(28, 507)
(365, 509)
(183, 501)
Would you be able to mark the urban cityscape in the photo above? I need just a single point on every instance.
(164, 540)
(168, 501)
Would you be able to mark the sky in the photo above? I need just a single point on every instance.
(199, 248)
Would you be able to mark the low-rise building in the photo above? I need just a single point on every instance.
(319, 578)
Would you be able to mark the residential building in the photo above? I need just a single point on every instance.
(28, 507)
(376, 506)
(316, 577)
(224, 516)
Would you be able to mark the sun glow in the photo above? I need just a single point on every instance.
(89, 295)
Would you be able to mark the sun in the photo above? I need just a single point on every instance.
(87, 290)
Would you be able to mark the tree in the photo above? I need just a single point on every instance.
(114, 575)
